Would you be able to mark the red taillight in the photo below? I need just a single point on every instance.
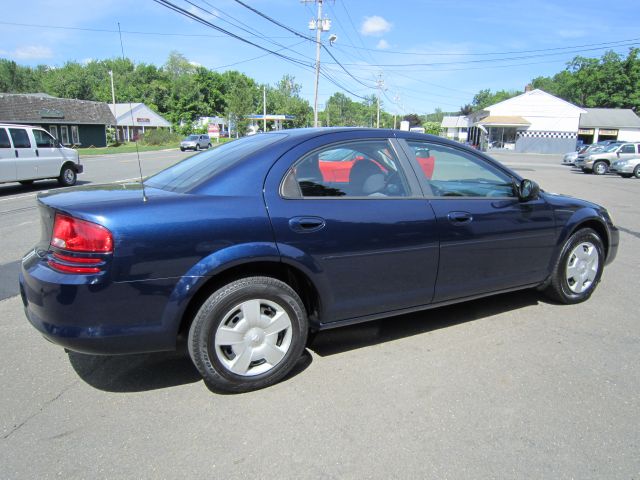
(77, 235)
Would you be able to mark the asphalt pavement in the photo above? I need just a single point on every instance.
(511, 386)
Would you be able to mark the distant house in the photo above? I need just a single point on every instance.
(73, 122)
(609, 124)
(134, 119)
(455, 128)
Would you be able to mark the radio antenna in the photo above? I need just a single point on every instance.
(144, 194)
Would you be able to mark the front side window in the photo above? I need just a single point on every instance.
(20, 138)
(64, 134)
(4, 139)
(43, 139)
(628, 149)
(368, 168)
(450, 172)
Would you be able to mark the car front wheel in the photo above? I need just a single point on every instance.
(67, 176)
(248, 335)
(600, 168)
(636, 171)
(578, 269)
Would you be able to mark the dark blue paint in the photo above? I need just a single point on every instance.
(364, 257)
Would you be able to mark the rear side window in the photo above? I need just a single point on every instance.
(20, 138)
(188, 174)
(43, 139)
(367, 168)
(4, 139)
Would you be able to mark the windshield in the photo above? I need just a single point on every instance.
(192, 137)
(612, 148)
(186, 175)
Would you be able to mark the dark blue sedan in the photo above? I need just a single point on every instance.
(247, 248)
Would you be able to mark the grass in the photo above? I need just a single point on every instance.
(131, 148)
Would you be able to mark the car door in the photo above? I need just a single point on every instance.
(24, 151)
(368, 244)
(47, 153)
(7, 158)
(489, 240)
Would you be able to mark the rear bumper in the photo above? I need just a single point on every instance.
(93, 315)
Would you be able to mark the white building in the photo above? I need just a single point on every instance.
(599, 124)
(133, 119)
(535, 121)
(455, 128)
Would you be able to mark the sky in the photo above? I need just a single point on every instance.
(418, 55)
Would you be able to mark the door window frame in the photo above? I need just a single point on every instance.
(53, 130)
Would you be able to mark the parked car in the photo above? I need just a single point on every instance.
(627, 168)
(30, 153)
(570, 158)
(195, 142)
(599, 162)
(245, 249)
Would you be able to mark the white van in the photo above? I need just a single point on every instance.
(31, 153)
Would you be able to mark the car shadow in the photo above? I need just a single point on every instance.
(153, 371)
(17, 188)
(339, 340)
(150, 371)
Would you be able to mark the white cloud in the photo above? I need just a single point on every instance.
(567, 33)
(383, 44)
(32, 52)
(375, 26)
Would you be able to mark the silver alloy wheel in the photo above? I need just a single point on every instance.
(253, 337)
(600, 168)
(582, 267)
(69, 175)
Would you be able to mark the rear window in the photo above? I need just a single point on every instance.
(188, 174)
(4, 139)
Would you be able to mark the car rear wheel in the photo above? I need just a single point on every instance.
(636, 171)
(578, 269)
(67, 176)
(248, 335)
(209, 146)
(600, 168)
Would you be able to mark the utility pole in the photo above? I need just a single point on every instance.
(380, 83)
(113, 100)
(319, 25)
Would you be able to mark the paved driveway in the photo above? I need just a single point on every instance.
(506, 387)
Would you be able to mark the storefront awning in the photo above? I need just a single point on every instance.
(503, 121)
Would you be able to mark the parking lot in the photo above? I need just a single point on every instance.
(511, 386)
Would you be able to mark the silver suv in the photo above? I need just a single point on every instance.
(599, 162)
(195, 142)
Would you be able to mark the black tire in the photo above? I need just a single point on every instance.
(563, 286)
(208, 146)
(181, 149)
(224, 312)
(636, 171)
(68, 176)
(600, 167)
(26, 183)
(197, 147)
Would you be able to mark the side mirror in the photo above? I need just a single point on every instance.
(528, 190)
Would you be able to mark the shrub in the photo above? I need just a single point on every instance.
(159, 136)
